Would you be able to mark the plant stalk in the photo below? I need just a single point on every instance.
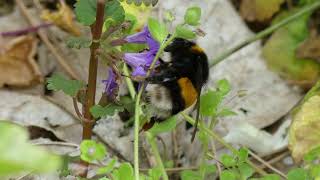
(154, 147)
(264, 33)
(138, 108)
(96, 31)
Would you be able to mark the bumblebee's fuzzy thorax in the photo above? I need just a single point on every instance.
(177, 84)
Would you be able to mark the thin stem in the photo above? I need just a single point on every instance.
(152, 141)
(220, 140)
(264, 33)
(129, 82)
(138, 108)
(96, 31)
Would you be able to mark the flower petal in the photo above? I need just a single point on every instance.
(140, 37)
(139, 71)
(110, 83)
(137, 59)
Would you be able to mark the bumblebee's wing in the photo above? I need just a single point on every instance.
(165, 75)
(199, 81)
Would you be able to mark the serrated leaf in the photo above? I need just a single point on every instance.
(92, 151)
(228, 175)
(245, 170)
(85, 11)
(315, 171)
(297, 174)
(312, 155)
(164, 126)
(17, 155)
(184, 32)
(78, 42)
(210, 168)
(108, 168)
(268, 177)
(98, 111)
(227, 160)
(158, 30)
(70, 87)
(155, 173)
(192, 16)
(190, 175)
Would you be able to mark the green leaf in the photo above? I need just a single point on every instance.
(315, 171)
(192, 16)
(126, 172)
(224, 86)
(184, 32)
(155, 173)
(228, 175)
(312, 155)
(108, 168)
(17, 155)
(226, 112)
(210, 168)
(70, 87)
(78, 42)
(158, 30)
(209, 102)
(245, 170)
(297, 174)
(243, 154)
(190, 175)
(98, 111)
(113, 10)
(86, 11)
(228, 161)
(92, 151)
(164, 126)
(104, 178)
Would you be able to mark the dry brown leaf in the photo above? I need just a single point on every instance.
(310, 48)
(63, 18)
(259, 10)
(17, 65)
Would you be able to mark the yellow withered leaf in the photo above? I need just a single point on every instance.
(18, 68)
(259, 10)
(62, 18)
(304, 131)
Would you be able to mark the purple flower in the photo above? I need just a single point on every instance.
(140, 62)
(111, 84)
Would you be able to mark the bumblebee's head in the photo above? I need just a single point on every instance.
(180, 44)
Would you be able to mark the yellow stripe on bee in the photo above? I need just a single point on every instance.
(197, 49)
(188, 92)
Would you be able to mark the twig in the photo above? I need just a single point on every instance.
(43, 36)
(276, 159)
(24, 31)
(76, 108)
(264, 33)
(56, 144)
(267, 164)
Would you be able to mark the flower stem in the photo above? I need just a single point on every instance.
(138, 108)
(96, 31)
(154, 147)
(24, 31)
(264, 33)
(129, 82)
(220, 140)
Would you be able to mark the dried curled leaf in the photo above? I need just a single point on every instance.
(62, 18)
(259, 10)
(17, 65)
(304, 131)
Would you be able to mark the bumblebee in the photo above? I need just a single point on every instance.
(176, 85)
